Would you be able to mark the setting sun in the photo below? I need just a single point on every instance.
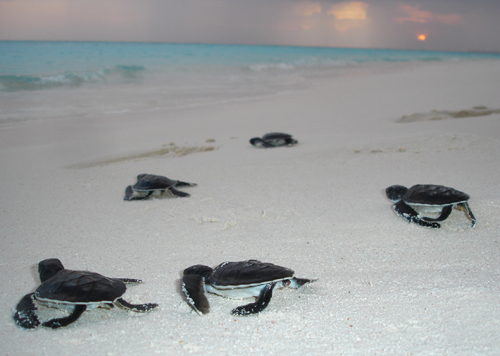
(421, 37)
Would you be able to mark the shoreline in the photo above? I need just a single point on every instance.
(385, 286)
(89, 100)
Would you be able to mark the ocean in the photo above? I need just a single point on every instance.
(69, 80)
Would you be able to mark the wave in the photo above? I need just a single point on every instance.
(300, 63)
(338, 57)
(69, 79)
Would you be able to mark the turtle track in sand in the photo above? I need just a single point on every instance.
(171, 150)
(445, 115)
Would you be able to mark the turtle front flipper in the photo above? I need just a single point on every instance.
(185, 184)
(145, 197)
(261, 303)
(178, 193)
(61, 322)
(130, 280)
(141, 308)
(25, 315)
(256, 141)
(410, 215)
(465, 206)
(443, 216)
(132, 194)
(296, 283)
(193, 287)
(129, 192)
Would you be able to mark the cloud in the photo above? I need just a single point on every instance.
(306, 11)
(71, 20)
(414, 14)
(350, 10)
(349, 14)
(308, 8)
(451, 24)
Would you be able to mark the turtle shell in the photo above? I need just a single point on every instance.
(248, 273)
(275, 136)
(80, 287)
(148, 182)
(430, 194)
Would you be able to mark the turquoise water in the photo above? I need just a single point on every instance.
(41, 65)
(75, 80)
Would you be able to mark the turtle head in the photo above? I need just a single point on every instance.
(48, 268)
(201, 270)
(395, 192)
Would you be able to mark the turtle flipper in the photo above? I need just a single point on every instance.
(130, 280)
(193, 287)
(132, 194)
(141, 195)
(185, 184)
(296, 283)
(465, 206)
(410, 215)
(261, 303)
(60, 322)
(178, 193)
(129, 192)
(141, 308)
(443, 216)
(256, 141)
(265, 144)
(25, 315)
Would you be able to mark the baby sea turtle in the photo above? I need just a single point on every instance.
(273, 139)
(237, 280)
(428, 198)
(150, 184)
(75, 291)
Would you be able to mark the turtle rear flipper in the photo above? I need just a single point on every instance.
(410, 215)
(261, 303)
(443, 216)
(25, 315)
(61, 322)
(135, 307)
(193, 287)
(178, 193)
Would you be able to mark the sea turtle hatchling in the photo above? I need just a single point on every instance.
(273, 139)
(150, 184)
(74, 291)
(237, 280)
(428, 198)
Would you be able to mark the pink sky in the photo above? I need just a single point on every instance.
(461, 25)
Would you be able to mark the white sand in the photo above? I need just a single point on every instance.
(385, 286)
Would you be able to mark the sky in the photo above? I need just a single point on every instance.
(450, 25)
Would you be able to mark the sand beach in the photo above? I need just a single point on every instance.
(385, 287)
